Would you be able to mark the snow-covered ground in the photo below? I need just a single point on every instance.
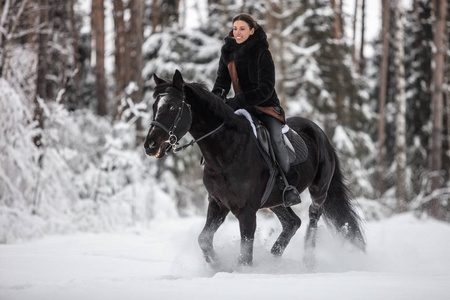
(406, 258)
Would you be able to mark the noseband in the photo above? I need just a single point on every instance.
(173, 139)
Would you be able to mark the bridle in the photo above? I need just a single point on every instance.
(173, 139)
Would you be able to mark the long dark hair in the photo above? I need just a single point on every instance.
(247, 19)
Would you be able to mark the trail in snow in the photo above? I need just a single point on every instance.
(406, 259)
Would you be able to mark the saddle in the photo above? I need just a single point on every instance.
(296, 146)
(297, 149)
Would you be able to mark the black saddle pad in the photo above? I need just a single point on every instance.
(301, 150)
(300, 153)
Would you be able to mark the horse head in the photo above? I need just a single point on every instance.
(172, 116)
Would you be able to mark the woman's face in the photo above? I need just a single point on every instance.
(242, 31)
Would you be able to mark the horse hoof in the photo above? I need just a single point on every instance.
(277, 250)
(210, 257)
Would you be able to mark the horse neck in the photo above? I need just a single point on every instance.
(220, 146)
(203, 123)
(208, 113)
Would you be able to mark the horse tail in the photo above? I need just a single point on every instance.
(339, 211)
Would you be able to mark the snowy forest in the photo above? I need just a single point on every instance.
(76, 95)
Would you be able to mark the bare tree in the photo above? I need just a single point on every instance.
(354, 21)
(362, 59)
(400, 99)
(41, 81)
(5, 9)
(5, 46)
(337, 7)
(382, 95)
(274, 29)
(122, 57)
(439, 11)
(338, 33)
(73, 102)
(136, 41)
(155, 15)
(98, 31)
(360, 64)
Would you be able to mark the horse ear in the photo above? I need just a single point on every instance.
(158, 80)
(178, 80)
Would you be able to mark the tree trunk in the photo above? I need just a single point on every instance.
(73, 102)
(382, 95)
(354, 21)
(400, 99)
(98, 32)
(136, 40)
(41, 82)
(3, 17)
(155, 15)
(6, 46)
(435, 155)
(337, 5)
(362, 59)
(122, 58)
(274, 27)
(337, 32)
(33, 18)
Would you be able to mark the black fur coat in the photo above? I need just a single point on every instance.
(255, 68)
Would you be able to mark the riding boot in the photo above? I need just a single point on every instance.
(291, 196)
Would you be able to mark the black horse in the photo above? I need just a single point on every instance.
(235, 172)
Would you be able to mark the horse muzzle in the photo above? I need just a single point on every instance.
(155, 150)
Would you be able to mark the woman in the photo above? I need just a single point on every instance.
(247, 64)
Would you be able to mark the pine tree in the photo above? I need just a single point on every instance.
(418, 39)
(322, 84)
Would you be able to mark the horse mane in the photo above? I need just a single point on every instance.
(213, 103)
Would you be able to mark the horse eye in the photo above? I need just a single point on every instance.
(172, 107)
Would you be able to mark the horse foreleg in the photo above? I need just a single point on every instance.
(290, 223)
(247, 225)
(215, 217)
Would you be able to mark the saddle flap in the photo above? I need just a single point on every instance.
(297, 149)
(263, 137)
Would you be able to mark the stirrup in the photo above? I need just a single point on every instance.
(291, 196)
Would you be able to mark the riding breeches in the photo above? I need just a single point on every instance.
(274, 126)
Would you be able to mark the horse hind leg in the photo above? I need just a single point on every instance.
(290, 223)
(315, 212)
(319, 193)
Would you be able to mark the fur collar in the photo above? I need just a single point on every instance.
(232, 50)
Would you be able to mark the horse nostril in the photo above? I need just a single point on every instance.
(150, 145)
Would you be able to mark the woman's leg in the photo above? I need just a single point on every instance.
(274, 126)
(290, 194)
